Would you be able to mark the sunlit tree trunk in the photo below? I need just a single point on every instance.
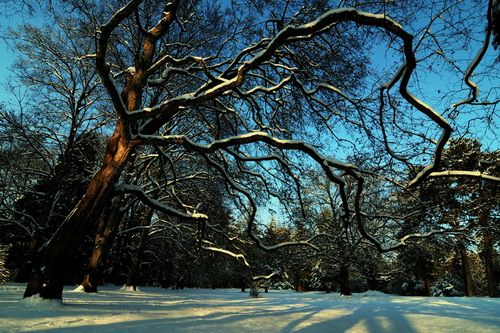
(51, 261)
(102, 245)
(109, 221)
(48, 277)
(90, 278)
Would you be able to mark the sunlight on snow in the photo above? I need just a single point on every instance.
(228, 310)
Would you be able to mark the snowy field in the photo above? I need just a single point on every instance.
(153, 310)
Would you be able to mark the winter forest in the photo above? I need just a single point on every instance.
(253, 149)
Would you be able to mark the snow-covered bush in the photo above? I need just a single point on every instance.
(281, 285)
(450, 285)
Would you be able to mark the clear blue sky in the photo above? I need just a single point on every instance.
(7, 55)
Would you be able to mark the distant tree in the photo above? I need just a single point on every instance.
(54, 134)
(52, 198)
(468, 205)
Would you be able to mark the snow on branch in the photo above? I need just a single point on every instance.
(329, 87)
(464, 173)
(238, 256)
(103, 69)
(251, 137)
(324, 162)
(477, 60)
(265, 49)
(402, 241)
(232, 79)
(264, 277)
(268, 90)
(139, 192)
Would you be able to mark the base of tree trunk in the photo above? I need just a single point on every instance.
(254, 290)
(345, 288)
(88, 287)
(427, 287)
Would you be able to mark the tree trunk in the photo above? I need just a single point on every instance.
(488, 263)
(371, 279)
(345, 288)
(254, 289)
(51, 260)
(427, 286)
(372, 283)
(102, 245)
(89, 282)
(466, 274)
(134, 275)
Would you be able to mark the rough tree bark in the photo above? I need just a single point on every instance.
(102, 245)
(89, 282)
(51, 260)
(108, 223)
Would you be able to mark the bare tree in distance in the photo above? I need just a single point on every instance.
(54, 130)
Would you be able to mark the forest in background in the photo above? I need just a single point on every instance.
(313, 145)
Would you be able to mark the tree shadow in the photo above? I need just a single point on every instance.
(231, 311)
(373, 319)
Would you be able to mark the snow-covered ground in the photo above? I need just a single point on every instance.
(154, 310)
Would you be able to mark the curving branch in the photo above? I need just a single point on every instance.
(103, 69)
(474, 89)
(139, 192)
(265, 50)
(253, 211)
(324, 162)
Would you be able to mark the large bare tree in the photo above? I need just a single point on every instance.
(261, 91)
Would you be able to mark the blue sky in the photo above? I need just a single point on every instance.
(7, 54)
